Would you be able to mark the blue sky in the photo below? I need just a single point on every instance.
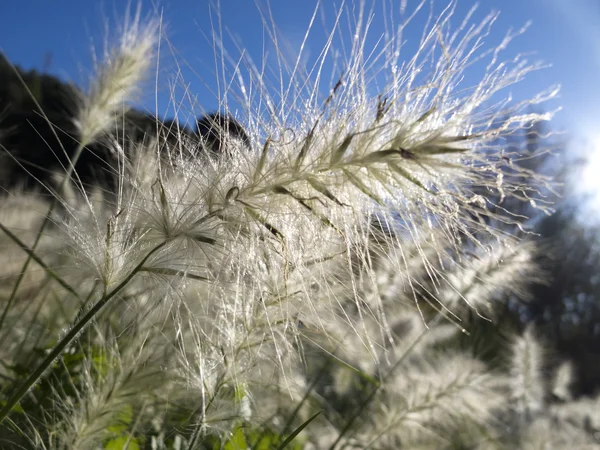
(564, 33)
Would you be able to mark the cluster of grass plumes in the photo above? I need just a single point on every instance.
(195, 302)
(426, 389)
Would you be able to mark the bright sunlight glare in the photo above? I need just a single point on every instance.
(589, 183)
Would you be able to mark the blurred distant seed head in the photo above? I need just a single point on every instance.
(526, 372)
(563, 379)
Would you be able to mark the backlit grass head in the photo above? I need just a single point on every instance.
(356, 182)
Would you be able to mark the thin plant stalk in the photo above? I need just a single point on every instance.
(37, 374)
(370, 397)
(125, 72)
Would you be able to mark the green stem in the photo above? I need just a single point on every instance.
(31, 254)
(370, 397)
(70, 337)
(38, 260)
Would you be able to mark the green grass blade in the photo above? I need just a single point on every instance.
(69, 338)
(297, 431)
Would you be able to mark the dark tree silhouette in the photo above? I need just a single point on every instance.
(39, 136)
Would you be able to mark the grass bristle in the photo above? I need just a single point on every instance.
(352, 232)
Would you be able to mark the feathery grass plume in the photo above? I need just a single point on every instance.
(420, 384)
(425, 399)
(540, 418)
(412, 156)
(418, 139)
(111, 394)
(583, 413)
(563, 379)
(117, 81)
(245, 266)
(119, 76)
(491, 272)
(527, 380)
(545, 432)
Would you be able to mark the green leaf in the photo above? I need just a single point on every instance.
(237, 441)
(265, 443)
(101, 362)
(17, 408)
(120, 443)
(123, 421)
(297, 431)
